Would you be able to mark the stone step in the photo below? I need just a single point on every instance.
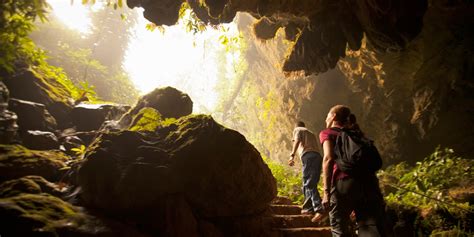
(279, 209)
(304, 232)
(293, 221)
(282, 201)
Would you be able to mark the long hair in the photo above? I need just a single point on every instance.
(344, 117)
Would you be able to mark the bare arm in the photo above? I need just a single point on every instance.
(328, 162)
(296, 143)
(291, 161)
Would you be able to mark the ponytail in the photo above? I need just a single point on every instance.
(344, 116)
(352, 123)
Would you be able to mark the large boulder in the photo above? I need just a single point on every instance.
(217, 171)
(168, 101)
(17, 161)
(88, 117)
(33, 84)
(32, 115)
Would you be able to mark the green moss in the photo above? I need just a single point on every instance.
(147, 119)
(21, 154)
(17, 161)
(27, 184)
(187, 124)
(15, 187)
(37, 213)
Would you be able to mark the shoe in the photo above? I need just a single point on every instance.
(307, 212)
(318, 217)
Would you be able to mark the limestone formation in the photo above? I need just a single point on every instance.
(328, 26)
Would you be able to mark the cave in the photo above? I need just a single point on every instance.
(87, 151)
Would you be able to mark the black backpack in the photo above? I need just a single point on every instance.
(355, 154)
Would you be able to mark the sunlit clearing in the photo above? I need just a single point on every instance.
(74, 16)
(177, 58)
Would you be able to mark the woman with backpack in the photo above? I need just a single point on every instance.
(350, 186)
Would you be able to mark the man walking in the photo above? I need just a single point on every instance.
(305, 143)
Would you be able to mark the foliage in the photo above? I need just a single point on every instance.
(16, 24)
(288, 181)
(94, 59)
(232, 69)
(190, 20)
(427, 185)
(79, 151)
(148, 119)
(16, 19)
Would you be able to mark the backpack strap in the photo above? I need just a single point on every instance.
(336, 129)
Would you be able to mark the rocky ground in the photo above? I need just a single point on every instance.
(152, 169)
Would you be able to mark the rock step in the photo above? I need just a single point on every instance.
(293, 221)
(305, 232)
(279, 209)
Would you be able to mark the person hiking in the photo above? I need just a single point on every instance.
(349, 193)
(305, 143)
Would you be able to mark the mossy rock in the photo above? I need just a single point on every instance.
(168, 101)
(29, 184)
(36, 214)
(215, 168)
(17, 161)
(46, 215)
(40, 85)
(147, 119)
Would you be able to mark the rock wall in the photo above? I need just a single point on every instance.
(409, 101)
(320, 29)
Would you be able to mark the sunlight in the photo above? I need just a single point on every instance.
(74, 16)
(174, 57)
(179, 59)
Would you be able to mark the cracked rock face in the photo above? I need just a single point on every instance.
(321, 30)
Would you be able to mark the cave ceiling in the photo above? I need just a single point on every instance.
(320, 29)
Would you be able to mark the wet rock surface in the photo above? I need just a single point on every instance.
(87, 117)
(32, 116)
(40, 140)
